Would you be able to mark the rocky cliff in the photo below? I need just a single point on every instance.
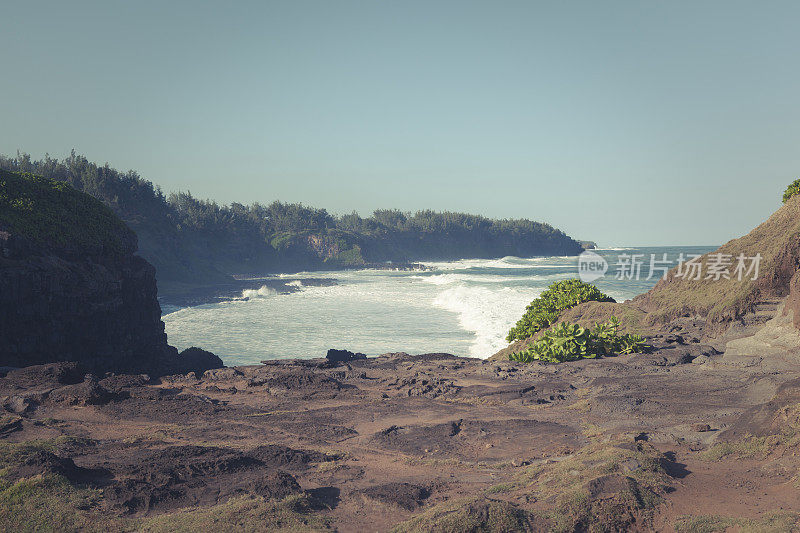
(724, 301)
(71, 288)
(717, 309)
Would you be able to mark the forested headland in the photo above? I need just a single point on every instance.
(190, 240)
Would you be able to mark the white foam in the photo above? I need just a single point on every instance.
(486, 313)
(263, 292)
(442, 279)
(446, 279)
(503, 262)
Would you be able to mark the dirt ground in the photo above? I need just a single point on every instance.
(682, 438)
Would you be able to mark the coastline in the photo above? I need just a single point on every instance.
(190, 295)
(430, 442)
(463, 307)
(177, 294)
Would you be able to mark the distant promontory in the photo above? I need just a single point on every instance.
(192, 241)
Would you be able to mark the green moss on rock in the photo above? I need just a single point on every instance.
(52, 213)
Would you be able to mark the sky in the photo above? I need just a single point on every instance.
(627, 123)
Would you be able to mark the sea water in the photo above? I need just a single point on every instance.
(460, 307)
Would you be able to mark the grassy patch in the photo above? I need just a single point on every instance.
(785, 428)
(631, 319)
(594, 460)
(582, 406)
(473, 400)
(725, 299)
(432, 461)
(501, 488)
(461, 515)
(628, 478)
(751, 447)
(50, 503)
(775, 522)
(244, 513)
(13, 452)
(602, 487)
(328, 466)
(50, 422)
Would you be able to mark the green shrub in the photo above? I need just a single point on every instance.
(545, 310)
(570, 342)
(351, 257)
(791, 190)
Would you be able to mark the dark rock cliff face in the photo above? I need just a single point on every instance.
(101, 311)
(65, 297)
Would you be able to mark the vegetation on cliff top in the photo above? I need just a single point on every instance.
(194, 240)
(545, 310)
(53, 213)
(792, 190)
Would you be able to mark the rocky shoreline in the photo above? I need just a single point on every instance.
(104, 426)
(422, 443)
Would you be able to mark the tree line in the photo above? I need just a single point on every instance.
(191, 239)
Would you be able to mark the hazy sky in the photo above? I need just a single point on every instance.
(628, 123)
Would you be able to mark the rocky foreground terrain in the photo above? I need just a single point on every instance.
(104, 426)
(684, 438)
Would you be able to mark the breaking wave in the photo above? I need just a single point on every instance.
(461, 307)
(263, 292)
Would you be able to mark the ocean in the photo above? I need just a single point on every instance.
(461, 307)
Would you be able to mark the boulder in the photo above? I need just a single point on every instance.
(90, 392)
(198, 361)
(404, 495)
(52, 374)
(343, 356)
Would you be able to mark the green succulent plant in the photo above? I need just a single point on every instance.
(570, 342)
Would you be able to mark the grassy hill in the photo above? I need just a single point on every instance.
(777, 240)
